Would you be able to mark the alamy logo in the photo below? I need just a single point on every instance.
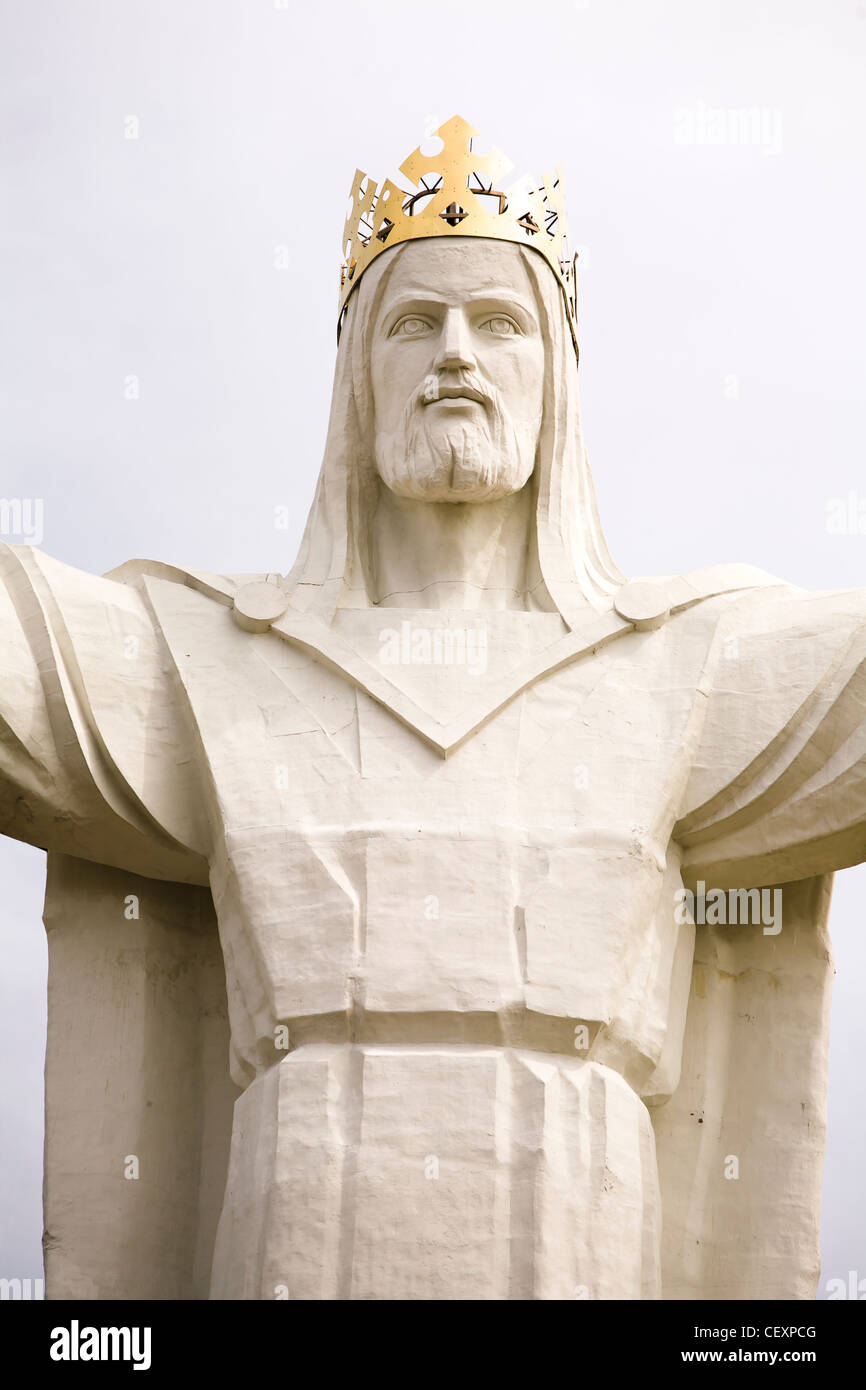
(846, 516)
(738, 907)
(854, 1287)
(22, 517)
(410, 645)
(76, 1343)
(23, 1290)
(760, 126)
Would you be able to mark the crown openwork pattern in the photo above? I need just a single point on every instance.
(458, 193)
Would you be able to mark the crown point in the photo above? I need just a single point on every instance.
(458, 191)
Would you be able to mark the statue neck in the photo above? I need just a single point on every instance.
(460, 555)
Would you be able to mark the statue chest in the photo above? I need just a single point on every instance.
(356, 869)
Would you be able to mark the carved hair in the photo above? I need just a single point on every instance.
(572, 555)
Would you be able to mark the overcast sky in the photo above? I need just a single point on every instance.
(722, 304)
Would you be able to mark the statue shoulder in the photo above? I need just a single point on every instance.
(221, 587)
(43, 589)
(747, 600)
(649, 602)
(28, 564)
(778, 613)
(86, 683)
(779, 660)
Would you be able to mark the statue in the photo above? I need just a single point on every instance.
(446, 919)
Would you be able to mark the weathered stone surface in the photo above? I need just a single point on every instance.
(442, 788)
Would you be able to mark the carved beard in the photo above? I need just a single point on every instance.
(436, 457)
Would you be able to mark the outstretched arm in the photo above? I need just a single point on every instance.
(778, 790)
(92, 761)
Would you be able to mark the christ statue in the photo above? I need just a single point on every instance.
(445, 918)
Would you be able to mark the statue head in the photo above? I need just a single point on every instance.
(457, 355)
(456, 377)
(457, 372)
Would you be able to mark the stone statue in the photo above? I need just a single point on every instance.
(447, 919)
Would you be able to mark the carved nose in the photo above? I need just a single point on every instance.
(455, 347)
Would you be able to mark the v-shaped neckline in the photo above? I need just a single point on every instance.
(493, 693)
(640, 605)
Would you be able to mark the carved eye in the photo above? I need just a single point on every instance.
(410, 327)
(500, 325)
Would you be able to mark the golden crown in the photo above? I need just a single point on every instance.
(457, 193)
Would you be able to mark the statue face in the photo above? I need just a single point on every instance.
(457, 372)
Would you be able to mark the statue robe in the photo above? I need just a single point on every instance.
(484, 1103)
(102, 765)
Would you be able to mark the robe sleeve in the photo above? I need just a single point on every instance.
(96, 767)
(778, 788)
(94, 760)
(776, 797)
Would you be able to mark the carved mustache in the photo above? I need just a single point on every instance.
(434, 389)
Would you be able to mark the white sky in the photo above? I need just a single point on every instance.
(722, 303)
